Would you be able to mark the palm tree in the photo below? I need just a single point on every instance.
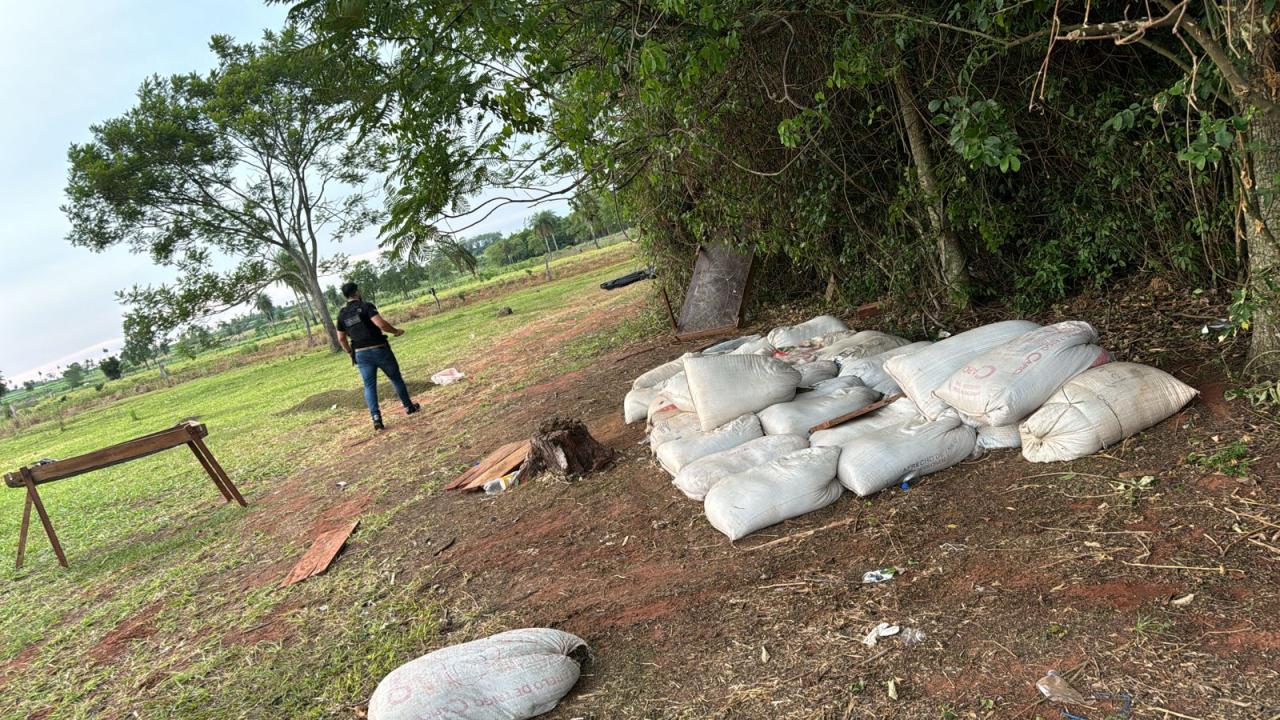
(420, 244)
(544, 224)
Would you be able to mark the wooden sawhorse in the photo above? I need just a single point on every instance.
(188, 433)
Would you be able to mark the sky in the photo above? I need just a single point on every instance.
(65, 66)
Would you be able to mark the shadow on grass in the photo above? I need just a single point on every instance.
(353, 399)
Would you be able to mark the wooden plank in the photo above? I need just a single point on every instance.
(513, 460)
(320, 555)
(114, 455)
(489, 460)
(856, 413)
(44, 518)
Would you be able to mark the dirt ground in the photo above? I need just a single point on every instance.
(1162, 591)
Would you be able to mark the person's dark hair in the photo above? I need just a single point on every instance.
(349, 290)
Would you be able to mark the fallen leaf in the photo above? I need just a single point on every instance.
(893, 688)
(764, 654)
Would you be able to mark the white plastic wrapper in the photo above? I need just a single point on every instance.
(699, 476)
(675, 454)
(795, 335)
(809, 409)
(513, 675)
(923, 371)
(1007, 383)
(785, 487)
(891, 455)
(1100, 407)
(871, 370)
(724, 387)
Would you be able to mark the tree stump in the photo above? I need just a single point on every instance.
(564, 446)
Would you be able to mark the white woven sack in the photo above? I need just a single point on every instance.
(699, 476)
(513, 675)
(668, 426)
(675, 454)
(635, 406)
(808, 409)
(675, 391)
(814, 372)
(871, 370)
(661, 374)
(895, 413)
(1100, 407)
(796, 335)
(731, 345)
(925, 370)
(760, 346)
(793, 484)
(826, 387)
(865, 344)
(1007, 383)
(897, 453)
(724, 387)
(998, 437)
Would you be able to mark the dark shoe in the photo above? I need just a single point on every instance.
(412, 409)
(377, 424)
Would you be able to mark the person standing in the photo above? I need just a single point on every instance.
(362, 333)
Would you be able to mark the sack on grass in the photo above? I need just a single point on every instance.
(699, 476)
(891, 455)
(809, 409)
(790, 485)
(895, 413)
(795, 335)
(871, 370)
(925, 370)
(724, 387)
(675, 454)
(509, 676)
(1007, 383)
(1100, 407)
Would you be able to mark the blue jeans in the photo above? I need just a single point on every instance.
(369, 362)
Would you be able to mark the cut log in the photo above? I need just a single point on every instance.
(564, 446)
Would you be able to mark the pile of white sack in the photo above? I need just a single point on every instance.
(732, 423)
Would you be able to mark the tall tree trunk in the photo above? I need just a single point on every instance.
(595, 236)
(326, 320)
(546, 259)
(304, 309)
(955, 273)
(1262, 222)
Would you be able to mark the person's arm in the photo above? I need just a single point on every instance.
(342, 340)
(386, 326)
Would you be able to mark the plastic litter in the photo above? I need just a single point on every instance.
(884, 629)
(878, 576)
(502, 484)
(912, 636)
(448, 376)
(1056, 688)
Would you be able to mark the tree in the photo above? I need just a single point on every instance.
(544, 224)
(29, 385)
(252, 159)
(366, 276)
(4, 387)
(74, 375)
(263, 304)
(1239, 46)
(111, 368)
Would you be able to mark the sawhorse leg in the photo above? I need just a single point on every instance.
(33, 498)
(22, 533)
(211, 466)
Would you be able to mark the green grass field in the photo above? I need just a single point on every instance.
(153, 537)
